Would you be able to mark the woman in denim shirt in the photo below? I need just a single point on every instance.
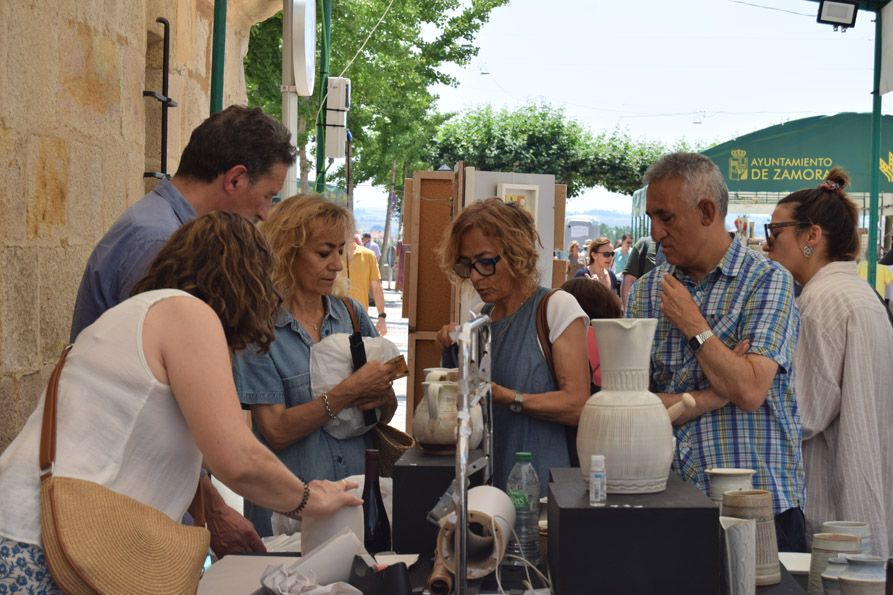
(308, 235)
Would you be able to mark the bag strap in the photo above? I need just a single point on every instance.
(542, 331)
(358, 353)
(47, 456)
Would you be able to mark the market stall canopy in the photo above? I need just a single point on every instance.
(798, 154)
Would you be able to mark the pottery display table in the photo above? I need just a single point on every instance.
(667, 543)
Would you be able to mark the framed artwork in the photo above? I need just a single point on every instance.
(523, 194)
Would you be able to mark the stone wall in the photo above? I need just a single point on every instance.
(76, 135)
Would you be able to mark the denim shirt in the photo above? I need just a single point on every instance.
(124, 253)
(519, 364)
(282, 375)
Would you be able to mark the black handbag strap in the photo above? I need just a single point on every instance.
(358, 353)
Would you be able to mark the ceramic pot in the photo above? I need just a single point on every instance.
(863, 530)
(836, 565)
(434, 421)
(625, 421)
(757, 505)
(726, 479)
(863, 575)
(441, 374)
(825, 546)
(739, 555)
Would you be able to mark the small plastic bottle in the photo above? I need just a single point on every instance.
(523, 487)
(598, 481)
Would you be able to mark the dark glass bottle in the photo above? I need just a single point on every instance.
(376, 528)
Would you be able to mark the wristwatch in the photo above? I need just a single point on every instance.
(696, 342)
(517, 406)
(382, 314)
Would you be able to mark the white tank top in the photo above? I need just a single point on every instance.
(116, 426)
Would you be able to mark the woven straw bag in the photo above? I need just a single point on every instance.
(391, 444)
(99, 541)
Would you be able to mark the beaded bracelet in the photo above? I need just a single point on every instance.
(327, 405)
(296, 513)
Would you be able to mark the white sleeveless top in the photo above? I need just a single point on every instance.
(116, 426)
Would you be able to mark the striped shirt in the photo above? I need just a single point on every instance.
(745, 297)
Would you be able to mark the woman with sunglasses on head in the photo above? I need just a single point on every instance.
(308, 234)
(493, 246)
(843, 376)
(601, 257)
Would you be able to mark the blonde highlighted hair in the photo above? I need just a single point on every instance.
(510, 226)
(289, 227)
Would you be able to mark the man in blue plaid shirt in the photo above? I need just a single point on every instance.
(727, 327)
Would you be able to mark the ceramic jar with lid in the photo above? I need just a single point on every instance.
(864, 575)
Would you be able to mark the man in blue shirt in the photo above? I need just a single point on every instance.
(727, 326)
(236, 161)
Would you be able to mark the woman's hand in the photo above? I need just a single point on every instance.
(372, 383)
(328, 496)
(443, 335)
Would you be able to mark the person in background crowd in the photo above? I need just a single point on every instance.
(599, 267)
(493, 245)
(621, 254)
(362, 276)
(146, 396)
(308, 235)
(883, 278)
(235, 161)
(844, 377)
(726, 331)
(368, 244)
(598, 302)
(573, 260)
(642, 258)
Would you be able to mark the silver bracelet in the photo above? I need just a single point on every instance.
(327, 405)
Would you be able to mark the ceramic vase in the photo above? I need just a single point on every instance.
(863, 575)
(824, 546)
(625, 421)
(863, 530)
(836, 565)
(434, 421)
(726, 479)
(739, 555)
(757, 505)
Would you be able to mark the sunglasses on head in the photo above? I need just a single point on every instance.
(484, 266)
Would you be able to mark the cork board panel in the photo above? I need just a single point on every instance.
(560, 201)
(559, 272)
(430, 289)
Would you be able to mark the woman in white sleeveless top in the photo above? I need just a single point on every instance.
(147, 397)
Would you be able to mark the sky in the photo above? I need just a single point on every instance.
(703, 71)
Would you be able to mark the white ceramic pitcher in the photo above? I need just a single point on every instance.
(434, 421)
(625, 421)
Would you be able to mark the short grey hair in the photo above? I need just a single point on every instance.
(700, 176)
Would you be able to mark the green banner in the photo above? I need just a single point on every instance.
(798, 154)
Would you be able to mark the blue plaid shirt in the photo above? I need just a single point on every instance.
(745, 297)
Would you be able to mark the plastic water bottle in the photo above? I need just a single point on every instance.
(523, 488)
(598, 493)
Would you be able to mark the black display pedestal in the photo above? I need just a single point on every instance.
(666, 543)
(419, 481)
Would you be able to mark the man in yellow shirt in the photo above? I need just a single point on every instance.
(883, 280)
(361, 270)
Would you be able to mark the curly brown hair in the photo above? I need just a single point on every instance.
(288, 228)
(509, 225)
(222, 259)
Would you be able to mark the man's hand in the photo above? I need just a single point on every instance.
(680, 309)
(231, 533)
(381, 326)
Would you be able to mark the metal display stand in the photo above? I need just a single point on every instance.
(474, 388)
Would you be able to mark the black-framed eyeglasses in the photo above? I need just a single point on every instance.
(771, 228)
(608, 254)
(484, 266)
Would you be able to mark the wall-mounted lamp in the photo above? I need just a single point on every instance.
(839, 13)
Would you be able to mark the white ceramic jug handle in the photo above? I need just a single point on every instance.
(676, 409)
(433, 400)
